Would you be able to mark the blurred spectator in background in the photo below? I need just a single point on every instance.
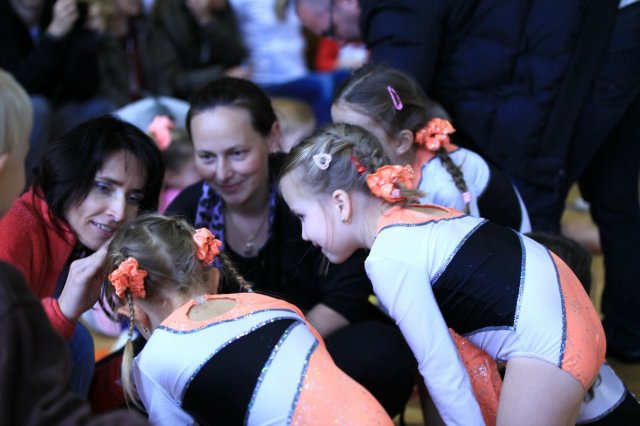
(48, 48)
(277, 50)
(195, 42)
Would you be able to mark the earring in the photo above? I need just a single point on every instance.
(145, 329)
(345, 220)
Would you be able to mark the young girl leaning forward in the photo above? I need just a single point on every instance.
(238, 358)
(434, 267)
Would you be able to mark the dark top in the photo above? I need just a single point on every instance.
(291, 268)
(126, 63)
(35, 365)
(63, 69)
(186, 56)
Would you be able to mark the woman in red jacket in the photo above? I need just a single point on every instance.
(92, 180)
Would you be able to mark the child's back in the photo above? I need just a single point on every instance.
(261, 364)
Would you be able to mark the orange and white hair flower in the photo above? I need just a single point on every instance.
(207, 246)
(435, 134)
(129, 276)
(385, 182)
(160, 128)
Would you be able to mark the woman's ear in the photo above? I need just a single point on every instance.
(275, 137)
(404, 142)
(342, 202)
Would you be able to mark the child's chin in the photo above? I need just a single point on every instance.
(335, 259)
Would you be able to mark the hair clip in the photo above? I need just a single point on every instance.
(360, 168)
(128, 276)
(207, 246)
(395, 98)
(322, 161)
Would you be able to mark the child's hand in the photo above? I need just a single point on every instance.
(82, 288)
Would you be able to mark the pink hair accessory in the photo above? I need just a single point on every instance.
(466, 197)
(128, 276)
(322, 161)
(207, 246)
(160, 129)
(385, 182)
(435, 134)
(395, 98)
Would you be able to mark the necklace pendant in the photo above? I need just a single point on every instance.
(248, 248)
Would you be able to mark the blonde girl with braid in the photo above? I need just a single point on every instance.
(435, 268)
(415, 130)
(213, 358)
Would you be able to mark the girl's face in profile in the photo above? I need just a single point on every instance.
(321, 222)
(231, 156)
(113, 200)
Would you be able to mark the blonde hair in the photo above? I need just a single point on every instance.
(346, 144)
(164, 248)
(16, 114)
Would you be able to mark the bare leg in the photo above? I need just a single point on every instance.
(535, 392)
(429, 411)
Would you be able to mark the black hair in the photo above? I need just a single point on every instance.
(235, 92)
(67, 171)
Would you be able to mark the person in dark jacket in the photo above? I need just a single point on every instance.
(548, 91)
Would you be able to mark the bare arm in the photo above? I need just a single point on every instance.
(325, 320)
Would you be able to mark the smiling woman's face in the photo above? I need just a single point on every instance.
(231, 156)
(113, 200)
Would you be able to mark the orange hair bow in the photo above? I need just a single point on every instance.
(384, 182)
(435, 134)
(128, 276)
(208, 247)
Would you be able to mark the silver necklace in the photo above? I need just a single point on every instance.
(249, 241)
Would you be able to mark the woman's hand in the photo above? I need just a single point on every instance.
(82, 288)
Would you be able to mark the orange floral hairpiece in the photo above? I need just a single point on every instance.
(384, 183)
(208, 247)
(435, 134)
(128, 276)
(160, 129)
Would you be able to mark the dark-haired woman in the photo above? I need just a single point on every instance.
(233, 127)
(91, 181)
